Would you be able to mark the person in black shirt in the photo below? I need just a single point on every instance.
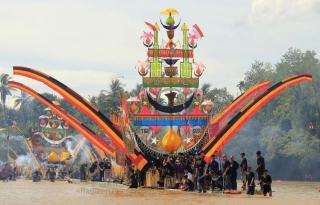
(214, 166)
(83, 172)
(265, 183)
(260, 165)
(101, 169)
(93, 169)
(226, 173)
(169, 169)
(201, 172)
(233, 173)
(107, 169)
(216, 179)
(250, 181)
(243, 170)
(133, 179)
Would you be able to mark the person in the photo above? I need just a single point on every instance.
(233, 173)
(36, 176)
(168, 165)
(260, 165)
(214, 165)
(184, 184)
(189, 179)
(93, 169)
(201, 171)
(265, 183)
(179, 171)
(107, 169)
(52, 175)
(243, 169)
(226, 173)
(215, 172)
(101, 168)
(250, 181)
(83, 173)
(133, 179)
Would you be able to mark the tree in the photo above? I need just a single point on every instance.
(109, 100)
(5, 91)
(22, 101)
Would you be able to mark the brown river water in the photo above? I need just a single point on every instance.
(61, 193)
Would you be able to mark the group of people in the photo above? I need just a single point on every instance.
(191, 172)
(8, 172)
(98, 171)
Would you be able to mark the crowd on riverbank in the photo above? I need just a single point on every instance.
(193, 173)
(185, 172)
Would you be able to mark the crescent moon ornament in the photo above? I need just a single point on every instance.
(170, 27)
(147, 45)
(194, 46)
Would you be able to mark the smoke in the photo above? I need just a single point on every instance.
(69, 147)
(25, 161)
(83, 158)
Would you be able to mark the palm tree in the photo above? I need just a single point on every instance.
(205, 88)
(135, 91)
(110, 100)
(22, 101)
(4, 92)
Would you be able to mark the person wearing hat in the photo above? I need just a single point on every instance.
(243, 169)
(265, 183)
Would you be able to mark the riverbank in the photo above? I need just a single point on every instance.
(29, 193)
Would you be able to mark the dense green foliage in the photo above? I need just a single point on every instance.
(287, 130)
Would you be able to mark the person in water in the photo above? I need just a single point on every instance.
(265, 183)
(250, 181)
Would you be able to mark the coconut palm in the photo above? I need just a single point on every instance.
(5, 91)
(110, 100)
(22, 101)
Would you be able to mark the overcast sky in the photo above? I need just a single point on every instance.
(85, 44)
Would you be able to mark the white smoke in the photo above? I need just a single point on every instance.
(69, 147)
(83, 158)
(25, 160)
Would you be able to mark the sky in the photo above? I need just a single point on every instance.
(86, 44)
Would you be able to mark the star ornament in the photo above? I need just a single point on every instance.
(187, 140)
(154, 141)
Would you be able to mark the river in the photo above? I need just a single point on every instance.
(92, 193)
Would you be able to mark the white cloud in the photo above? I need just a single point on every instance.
(87, 43)
(275, 10)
